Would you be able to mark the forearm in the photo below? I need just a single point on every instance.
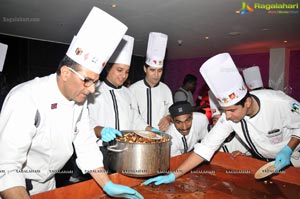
(164, 123)
(98, 130)
(293, 143)
(191, 162)
(15, 192)
(100, 176)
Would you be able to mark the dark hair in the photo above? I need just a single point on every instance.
(189, 78)
(146, 65)
(67, 61)
(242, 101)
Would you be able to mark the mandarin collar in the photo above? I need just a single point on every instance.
(258, 102)
(111, 85)
(59, 97)
(146, 83)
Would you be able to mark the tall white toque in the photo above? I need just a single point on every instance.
(214, 105)
(253, 78)
(223, 79)
(96, 40)
(156, 50)
(123, 53)
(3, 50)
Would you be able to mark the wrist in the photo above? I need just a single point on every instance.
(107, 185)
(288, 149)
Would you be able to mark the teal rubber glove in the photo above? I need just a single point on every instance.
(164, 179)
(283, 158)
(120, 191)
(155, 130)
(108, 134)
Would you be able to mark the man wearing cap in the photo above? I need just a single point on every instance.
(113, 107)
(42, 118)
(154, 97)
(187, 129)
(267, 121)
(253, 78)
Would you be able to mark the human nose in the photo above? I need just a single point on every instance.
(92, 88)
(124, 75)
(184, 126)
(228, 115)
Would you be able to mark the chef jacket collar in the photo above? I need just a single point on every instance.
(258, 102)
(59, 98)
(146, 83)
(111, 85)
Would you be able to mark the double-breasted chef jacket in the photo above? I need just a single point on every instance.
(114, 107)
(37, 132)
(265, 133)
(197, 132)
(153, 103)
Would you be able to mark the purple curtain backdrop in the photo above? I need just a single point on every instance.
(294, 80)
(175, 70)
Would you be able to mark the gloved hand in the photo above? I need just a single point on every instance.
(155, 130)
(120, 191)
(163, 179)
(108, 134)
(283, 158)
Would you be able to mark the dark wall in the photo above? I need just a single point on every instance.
(27, 58)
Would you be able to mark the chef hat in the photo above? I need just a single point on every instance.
(252, 77)
(96, 40)
(213, 103)
(3, 50)
(156, 50)
(180, 108)
(223, 79)
(123, 53)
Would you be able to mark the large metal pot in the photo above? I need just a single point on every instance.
(140, 159)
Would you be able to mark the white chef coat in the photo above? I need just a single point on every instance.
(114, 107)
(38, 151)
(184, 95)
(197, 132)
(275, 113)
(153, 103)
(234, 145)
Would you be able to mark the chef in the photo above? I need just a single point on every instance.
(267, 121)
(232, 143)
(41, 118)
(154, 97)
(187, 128)
(113, 107)
(253, 78)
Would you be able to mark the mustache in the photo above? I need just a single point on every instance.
(188, 129)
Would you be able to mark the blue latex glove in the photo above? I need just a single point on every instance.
(155, 130)
(120, 191)
(108, 134)
(283, 158)
(164, 179)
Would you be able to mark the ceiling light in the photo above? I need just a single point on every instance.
(265, 29)
(207, 37)
(285, 41)
(234, 33)
(114, 5)
(179, 42)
